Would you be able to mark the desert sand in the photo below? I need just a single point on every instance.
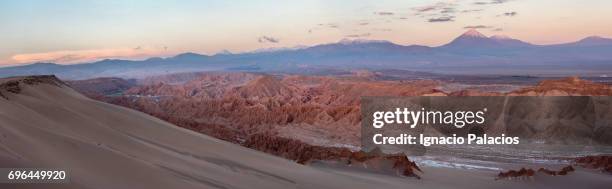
(44, 123)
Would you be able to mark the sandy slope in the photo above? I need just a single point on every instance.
(107, 146)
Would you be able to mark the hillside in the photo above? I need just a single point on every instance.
(44, 123)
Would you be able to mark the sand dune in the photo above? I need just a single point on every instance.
(47, 124)
(44, 123)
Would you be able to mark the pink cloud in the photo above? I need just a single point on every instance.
(81, 56)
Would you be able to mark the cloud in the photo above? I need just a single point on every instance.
(447, 10)
(498, 29)
(333, 25)
(81, 56)
(444, 7)
(510, 13)
(383, 29)
(477, 27)
(267, 39)
(438, 12)
(441, 19)
(384, 13)
(426, 8)
(499, 1)
(492, 2)
(324, 26)
(471, 10)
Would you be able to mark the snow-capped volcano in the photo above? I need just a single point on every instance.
(471, 48)
(474, 39)
(471, 38)
(473, 33)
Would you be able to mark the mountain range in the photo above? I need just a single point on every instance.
(470, 53)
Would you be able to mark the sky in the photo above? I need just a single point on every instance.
(77, 31)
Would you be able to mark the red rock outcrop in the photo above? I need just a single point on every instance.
(101, 86)
(529, 173)
(238, 106)
(602, 162)
(522, 173)
(564, 171)
(255, 103)
(572, 86)
(291, 104)
(304, 153)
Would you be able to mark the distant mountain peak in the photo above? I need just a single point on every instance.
(154, 59)
(594, 37)
(473, 33)
(474, 39)
(45, 63)
(278, 49)
(224, 52)
(592, 41)
(360, 41)
(471, 38)
(188, 54)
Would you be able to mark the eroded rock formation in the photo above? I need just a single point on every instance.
(529, 173)
(571, 86)
(602, 162)
(305, 153)
(102, 86)
(315, 110)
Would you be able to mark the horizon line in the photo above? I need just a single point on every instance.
(273, 49)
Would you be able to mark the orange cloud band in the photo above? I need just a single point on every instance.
(81, 56)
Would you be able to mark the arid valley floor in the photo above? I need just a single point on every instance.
(194, 130)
